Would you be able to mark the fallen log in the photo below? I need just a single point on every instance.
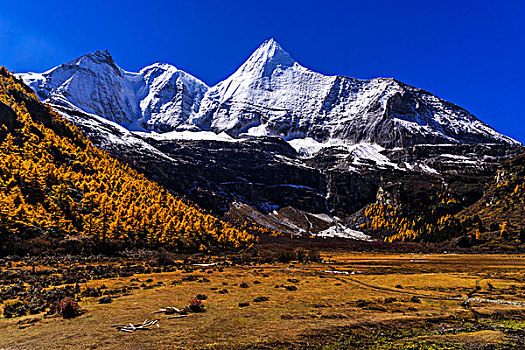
(168, 310)
(178, 316)
(130, 328)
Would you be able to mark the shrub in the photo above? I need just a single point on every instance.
(196, 305)
(285, 256)
(260, 299)
(105, 300)
(91, 292)
(314, 255)
(164, 258)
(68, 308)
(15, 308)
(301, 255)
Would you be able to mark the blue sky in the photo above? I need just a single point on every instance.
(468, 52)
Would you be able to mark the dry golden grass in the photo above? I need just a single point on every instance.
(321, 302)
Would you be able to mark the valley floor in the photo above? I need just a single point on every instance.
(349, 300)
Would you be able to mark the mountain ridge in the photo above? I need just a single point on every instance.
(270, 94)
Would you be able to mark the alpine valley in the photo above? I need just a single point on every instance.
(298, 151)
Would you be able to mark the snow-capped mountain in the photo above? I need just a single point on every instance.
(269, 95)
(158, 97)
(342, 143)
(272, 94)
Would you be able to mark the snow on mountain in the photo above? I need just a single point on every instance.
(361, 153)
(92, 83)
(267, 90)
(158, 97)
(342, 231)
(272, 94)
(269, 95)
(171, 96)
(188, 135)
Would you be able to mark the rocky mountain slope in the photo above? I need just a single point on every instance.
(266, 180)
(500, 213)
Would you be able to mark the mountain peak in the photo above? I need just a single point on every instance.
(98, 56)
(163, 66)
(91, 61)
(269, 55)
(270, 44)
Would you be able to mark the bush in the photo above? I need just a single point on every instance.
(285, 256)
(105, 300)
(91, 292)
(164, 258)
(301, 255)
(16, 308)
(196, 305)
(260, 299)
(68, 308)
(314, 255)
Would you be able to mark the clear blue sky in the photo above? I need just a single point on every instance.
(471, 53)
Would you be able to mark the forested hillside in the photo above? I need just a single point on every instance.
(451, 212)
(500, 214)
(55, 183)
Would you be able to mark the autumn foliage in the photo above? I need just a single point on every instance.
(397, 225)
(53, 181)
